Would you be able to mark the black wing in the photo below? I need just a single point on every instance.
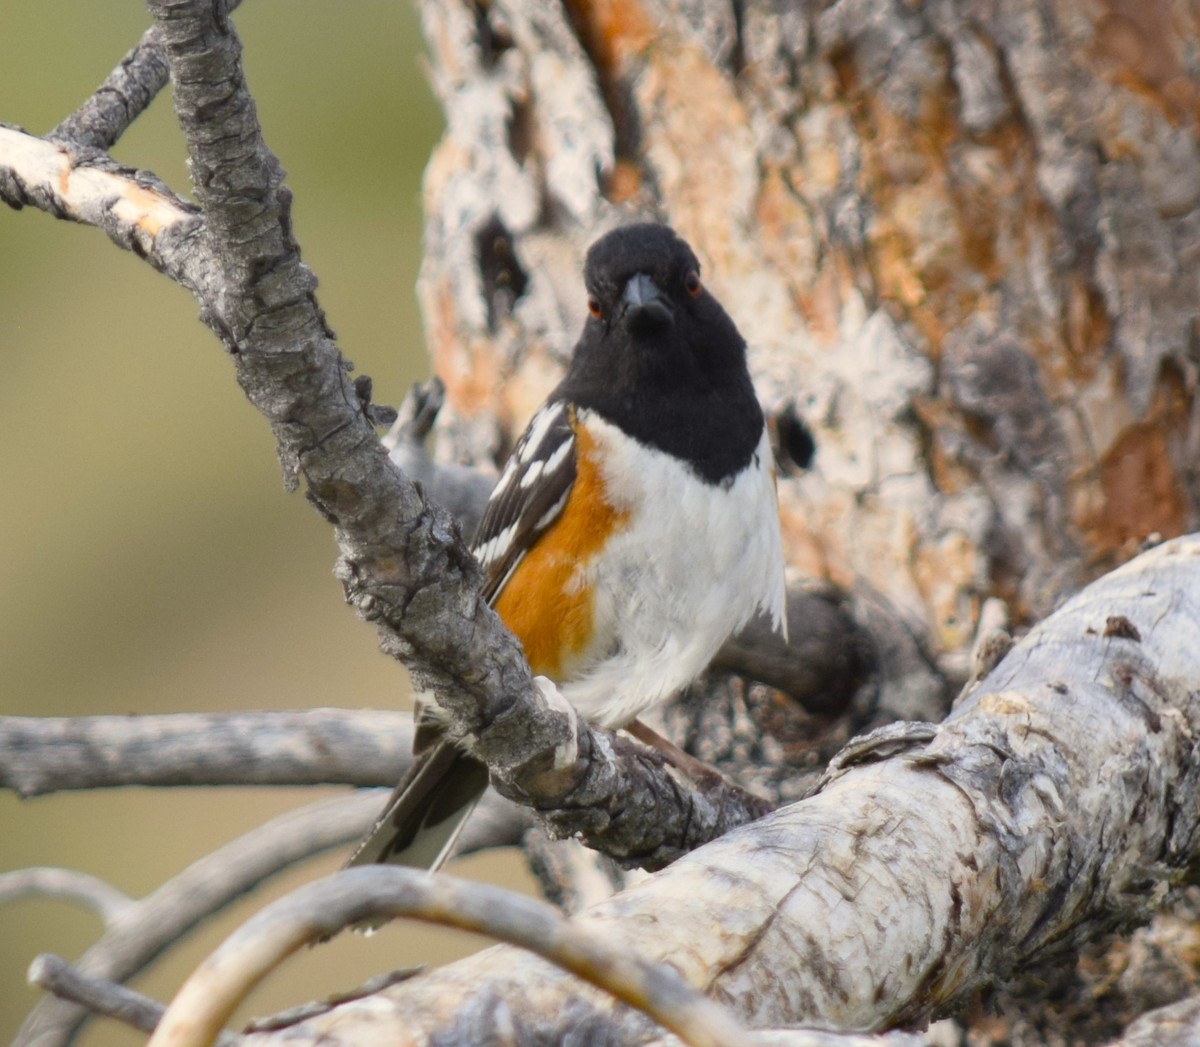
(529, 496)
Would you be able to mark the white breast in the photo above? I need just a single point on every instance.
(695, 562)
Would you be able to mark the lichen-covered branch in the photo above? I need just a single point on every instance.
(933, 861)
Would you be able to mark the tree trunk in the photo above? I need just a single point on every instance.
(957, 237)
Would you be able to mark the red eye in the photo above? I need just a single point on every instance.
(692, 283)
(594, 306)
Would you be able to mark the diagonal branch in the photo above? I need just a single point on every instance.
(124, 95)
(403, 564)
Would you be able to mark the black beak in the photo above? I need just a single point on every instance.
(645, 304)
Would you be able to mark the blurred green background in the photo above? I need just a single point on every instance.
(149, 558)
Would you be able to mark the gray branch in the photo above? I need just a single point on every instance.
(124, 95)
(316, 746)
(56, 976)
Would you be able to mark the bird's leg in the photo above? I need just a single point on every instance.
(697, 770)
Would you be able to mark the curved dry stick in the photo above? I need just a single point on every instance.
(102, 898)
(140, 933)
(365, 747)
(212, 993)
(160, 919)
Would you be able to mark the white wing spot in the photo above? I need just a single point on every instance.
(496, 547)
(536, 432)
(561, 452)
(531, 474)
(553, 511)
(505, 481)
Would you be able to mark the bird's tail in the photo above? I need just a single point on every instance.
(423, 817)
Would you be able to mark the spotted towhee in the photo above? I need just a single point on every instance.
(633, 529)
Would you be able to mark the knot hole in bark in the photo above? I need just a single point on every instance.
(504, 281)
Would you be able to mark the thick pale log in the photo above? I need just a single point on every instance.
(1053, 804)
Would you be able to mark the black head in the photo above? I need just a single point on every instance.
(658, 355)
(650, 317)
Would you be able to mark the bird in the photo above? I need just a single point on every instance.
(633, 529)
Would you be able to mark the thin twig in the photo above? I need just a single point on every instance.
(103, 898)
(124, 95)
(315, 746)
(320, 909)
(206, 887)
(102, 997)
(305, 1011)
